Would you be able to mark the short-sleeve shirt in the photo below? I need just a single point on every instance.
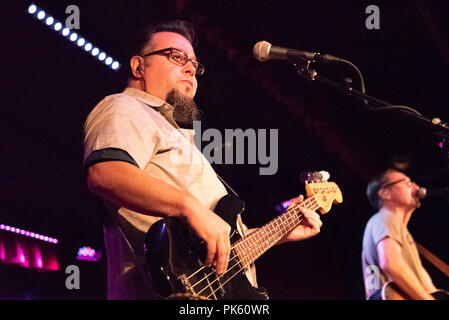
(137, 127)
(381, 225)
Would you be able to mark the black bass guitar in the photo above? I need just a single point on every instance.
(175, 255)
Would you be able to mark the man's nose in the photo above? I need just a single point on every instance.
(189, 68)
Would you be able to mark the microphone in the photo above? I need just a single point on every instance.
(425, 193)
(264, 51)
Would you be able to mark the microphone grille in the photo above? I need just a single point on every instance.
(422, 193)
(261, 50)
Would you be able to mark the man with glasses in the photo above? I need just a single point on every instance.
(388, 246)
(131, 144)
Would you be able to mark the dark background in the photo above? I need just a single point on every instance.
(49, 86)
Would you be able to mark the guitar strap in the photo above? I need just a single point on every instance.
(251, 271)
(437, 262)
(239, 217)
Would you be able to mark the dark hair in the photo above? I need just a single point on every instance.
(372, 190)
(144, 36)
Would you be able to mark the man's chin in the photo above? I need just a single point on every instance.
(417, 204)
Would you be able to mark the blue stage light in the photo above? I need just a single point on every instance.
(65, 32)
(41, 15)
(32, 9)
(57, 26)
(73, 36)
(49, 21)
(81, 42)
(115, 65)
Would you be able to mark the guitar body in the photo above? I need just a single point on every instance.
(390, 291)
(175, 259)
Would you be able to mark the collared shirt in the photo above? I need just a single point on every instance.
(136, 127)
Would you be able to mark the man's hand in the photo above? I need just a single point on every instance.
(215, 231)
(308, 228)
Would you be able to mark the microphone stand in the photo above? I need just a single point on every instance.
(305, 69)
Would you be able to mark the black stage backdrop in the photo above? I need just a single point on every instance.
(49, 85)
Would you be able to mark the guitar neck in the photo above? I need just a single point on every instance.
(252, 246)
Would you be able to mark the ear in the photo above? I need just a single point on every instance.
(137, 64)
(384, 194)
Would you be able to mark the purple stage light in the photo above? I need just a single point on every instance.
(28, 233)
(89, 254)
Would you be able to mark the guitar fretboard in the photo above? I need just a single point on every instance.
(251, 247)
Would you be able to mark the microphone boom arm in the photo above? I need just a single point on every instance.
(305, 70)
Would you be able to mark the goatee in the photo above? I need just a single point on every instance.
(185, 109)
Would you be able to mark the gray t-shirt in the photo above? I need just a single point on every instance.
(381, 225)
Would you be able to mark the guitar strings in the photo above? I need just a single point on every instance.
(294, 208)
(221, 285)
(289, 211)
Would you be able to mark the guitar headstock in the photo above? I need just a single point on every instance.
(326, 193)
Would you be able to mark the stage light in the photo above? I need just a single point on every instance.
(88, 253)
(41, 15)
(49, 21)
(73, 37)
(32, 9)
(65, 32)
(58, 26)
(28, 233)
(115, 65)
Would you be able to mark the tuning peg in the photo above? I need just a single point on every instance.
(325, 176)
(306, 177)
(316, 176)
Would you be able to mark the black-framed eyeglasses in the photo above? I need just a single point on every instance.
(179, 57)
(409, 183)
